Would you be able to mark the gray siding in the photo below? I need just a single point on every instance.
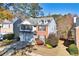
(26, 36)
(52, 27)
(16, 27)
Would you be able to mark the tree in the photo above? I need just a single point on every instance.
(41, 13)
(64, 23)
(31, 9)
(56, 15)
(35, 9)
(5, 14)
(22, 7)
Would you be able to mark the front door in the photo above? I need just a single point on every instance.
(28, 37)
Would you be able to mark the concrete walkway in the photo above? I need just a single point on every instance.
(2, 48)
(60, 50)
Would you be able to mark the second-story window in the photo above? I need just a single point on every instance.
(6, 25)
(42, 28)
(26, 27)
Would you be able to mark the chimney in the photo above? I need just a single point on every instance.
(75, 19)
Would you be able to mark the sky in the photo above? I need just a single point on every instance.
(60, 8)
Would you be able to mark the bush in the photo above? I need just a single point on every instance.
(46, 41)
(68, 42)
(49, 46)
(72, 49)
(9, 36)
(7, 41)
(52, 40)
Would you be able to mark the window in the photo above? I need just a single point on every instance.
(42, 28)
(49, 20)
(22, 27)
(42, 21)
(26, 27)
(0, 25)
(6, 26)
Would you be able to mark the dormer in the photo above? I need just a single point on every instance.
(39, 22)
(49, 21)
(44, 21)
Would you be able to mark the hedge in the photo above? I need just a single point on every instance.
(72, 49)
(8, 36)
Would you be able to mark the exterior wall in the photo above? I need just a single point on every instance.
(7, 30)
(52, 27)
(16, 27)
(77, 36)
(44, 33)
(25, 36)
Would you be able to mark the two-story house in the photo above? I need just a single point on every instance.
(39, 27)
(76, 23)
(6, 27)
(10, 26)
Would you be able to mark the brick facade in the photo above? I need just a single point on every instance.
(43, 33)
(77, 36)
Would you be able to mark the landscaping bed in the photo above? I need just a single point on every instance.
(73, 50)
(6, 42)
(7, 39)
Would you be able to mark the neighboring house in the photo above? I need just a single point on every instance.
(6, 27)
(76, 23)
(37, 28)
(10, 26)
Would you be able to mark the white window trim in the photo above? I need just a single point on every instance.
(4, 26)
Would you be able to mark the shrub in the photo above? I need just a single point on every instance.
(52, 40)
(49, 46)
(7, 41)
(68, 42)
(46, 41)
(72, 49)
(9, 36)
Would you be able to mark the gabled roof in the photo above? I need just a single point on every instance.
(5, 21)
(26, 22)
(35, 21)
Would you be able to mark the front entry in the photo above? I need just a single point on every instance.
(25, 36)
